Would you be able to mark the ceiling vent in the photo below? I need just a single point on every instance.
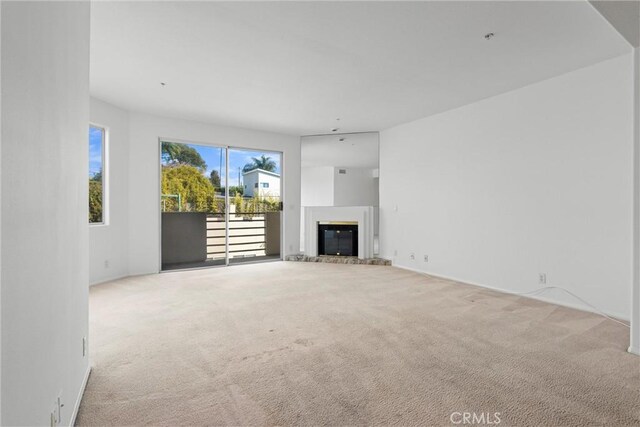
(342, 171)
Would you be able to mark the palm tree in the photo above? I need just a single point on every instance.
(264, 163)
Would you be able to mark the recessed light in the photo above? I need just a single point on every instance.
(489, 36)
(335, 130)
(342, 139)
(163, 84)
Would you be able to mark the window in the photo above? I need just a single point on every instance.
(97, 203)
(255, 185)
(264, 184)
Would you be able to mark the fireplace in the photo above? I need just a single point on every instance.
(338, 239)
(363, 216)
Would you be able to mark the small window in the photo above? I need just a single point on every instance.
(97, 202)
(255, 185)
(264, 184)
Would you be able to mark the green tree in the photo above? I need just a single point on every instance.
(175, 153)
(238, 202)
(214, 177)
(95, 197)
(263, 162)
(196, 192)
(236, 189)
(95, 201)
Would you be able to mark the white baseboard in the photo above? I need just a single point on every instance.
(109, 279)
(76, 407)
(506, 291)
(635, 351)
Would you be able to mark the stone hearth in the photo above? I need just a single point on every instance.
(338, 259)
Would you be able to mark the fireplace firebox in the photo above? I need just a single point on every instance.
(338, 239)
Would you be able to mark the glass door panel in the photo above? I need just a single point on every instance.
(255, 215)
(193, 218)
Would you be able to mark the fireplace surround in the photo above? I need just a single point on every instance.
(363, 216)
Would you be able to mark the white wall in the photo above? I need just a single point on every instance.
(274, 185)
(357, 187)
(144, 181)
(45, 116)
(0, 218)
(317, 186)
(634, 345)
(326, 186)
(250, 180)
(535, 180)
(109, 243)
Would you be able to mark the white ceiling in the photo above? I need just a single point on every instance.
(358, 150)
(294, 67)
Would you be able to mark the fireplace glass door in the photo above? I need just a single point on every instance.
(338, 239)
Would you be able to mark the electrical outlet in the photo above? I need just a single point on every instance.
(542, 278)
(106, 263)
(426, 258)
(84, 346)
(412, 255)
(395, 252)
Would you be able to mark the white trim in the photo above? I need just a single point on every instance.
(76, 407)
(227, 206)
(634, 333)
(159, 202)
(635, 351)
(110, 279)
(507, 292)
(283, 212)
(105, 174)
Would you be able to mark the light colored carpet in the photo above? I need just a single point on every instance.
(327, 344)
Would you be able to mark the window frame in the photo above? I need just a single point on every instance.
(105, 175)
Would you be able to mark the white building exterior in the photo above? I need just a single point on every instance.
(261, 182)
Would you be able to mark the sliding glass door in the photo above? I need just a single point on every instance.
(219, 205)
(254, 210)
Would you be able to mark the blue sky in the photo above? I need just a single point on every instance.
(214, 157)
(95, 150)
